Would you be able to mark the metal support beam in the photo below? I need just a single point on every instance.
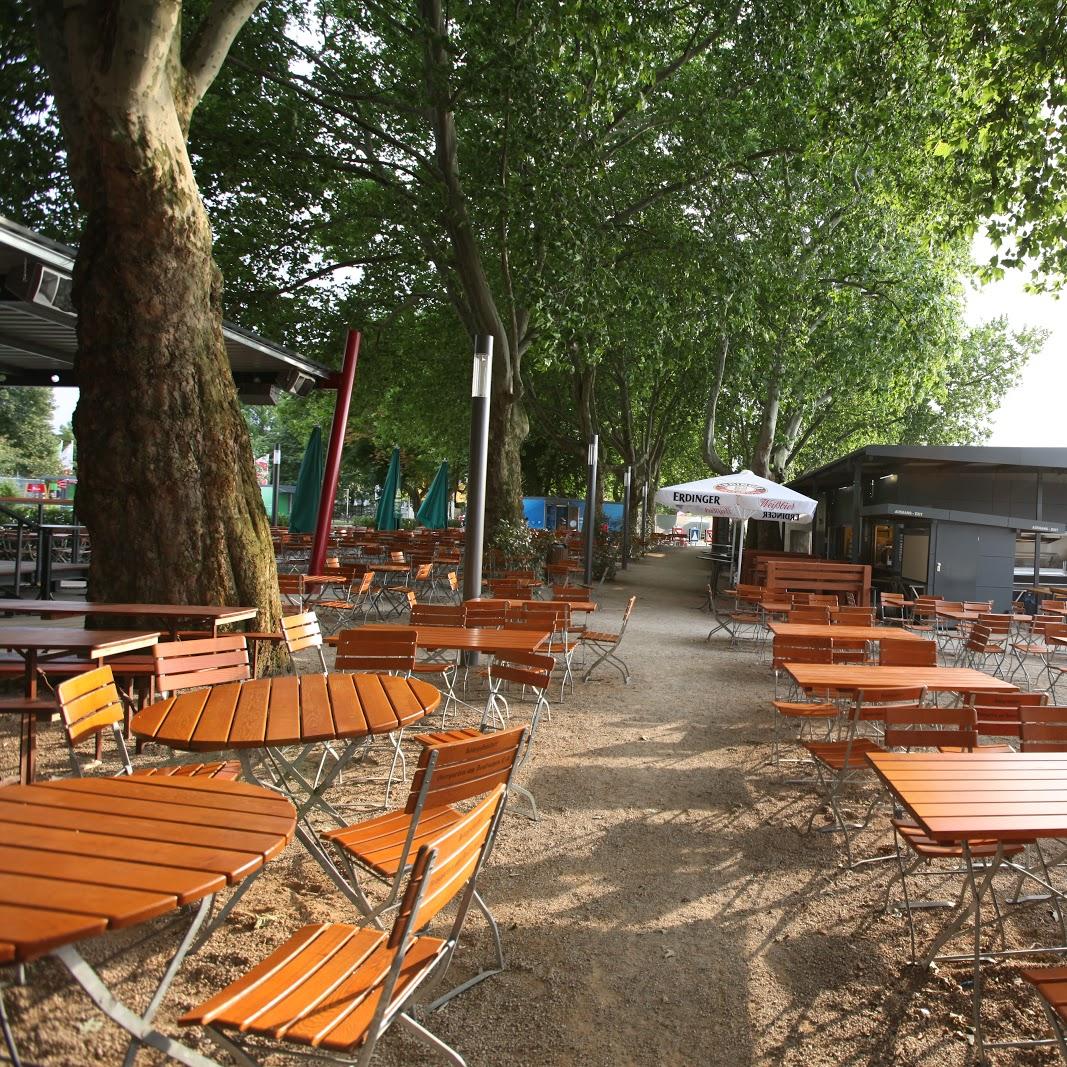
(627, 478)
(590, 504)
(333, 453)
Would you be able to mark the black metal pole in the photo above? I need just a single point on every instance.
(627, 478)
(479, 453)
(276, 485)
(590, 504)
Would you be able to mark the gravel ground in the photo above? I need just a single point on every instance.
(666, 909)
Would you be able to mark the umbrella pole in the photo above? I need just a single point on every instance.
(741, 548)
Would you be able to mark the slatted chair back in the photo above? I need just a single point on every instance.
(746, 591)
(524, 575)
(508, 590)
(852, 616)
(908, 654)
(980, 639)
(397, 557)
(302, 632)
(998, 714)
(437, 615)
(925, 726)
(452, 773)
(819, 615)
(1050, 605)
(1043, 729)
(926, 607)
(452, 578)
(208, 661)
(533, 669)
(552, 615)
(978, 605)
(796, 600)
(383, 651)
(998, 624)
(826, 599)
(871, 704)
(557, 573)
(801, 650)
(573, 593)
(485, 614)
(848, 650)
(291, 588)
(88, 704)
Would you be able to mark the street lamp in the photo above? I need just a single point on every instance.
(626, 478)
(590, 503)
(481, 382)
(276, 484)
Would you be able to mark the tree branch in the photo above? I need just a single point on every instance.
(210, 43)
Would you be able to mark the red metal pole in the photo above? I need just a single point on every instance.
(333, 453)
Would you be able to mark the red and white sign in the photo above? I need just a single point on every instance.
(36, 487)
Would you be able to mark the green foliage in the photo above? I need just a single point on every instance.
(28, 444)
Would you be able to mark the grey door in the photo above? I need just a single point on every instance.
(974, 563)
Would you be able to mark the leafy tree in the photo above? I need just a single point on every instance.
(31, 447)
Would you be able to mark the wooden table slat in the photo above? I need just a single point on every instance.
(284, 703)
(316, 718)
(936, 679)
(381, 719)
(250, 720)
(216, 720)
(348, 715)
(118, 906)
(34, 930)
(842, 632)
(184, 883)
(183, 715)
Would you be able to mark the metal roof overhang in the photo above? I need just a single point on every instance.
(877, 461)
(38, 340)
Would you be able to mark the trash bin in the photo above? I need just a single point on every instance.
(557, 552)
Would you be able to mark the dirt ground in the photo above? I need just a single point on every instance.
(667, 908)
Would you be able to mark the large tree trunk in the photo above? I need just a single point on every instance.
(508, 429)
(166, 480)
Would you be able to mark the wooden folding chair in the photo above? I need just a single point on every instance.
(789, 649)
(337, 988)
(852, 616)
(89, 703)
(891, 608)
(841, 762)
(391, 651)
(485, 614)
(907, 654)
(447, 775)
(355, 599)
(191, 664)
(1043, 728)
(817, 614)
(293, 591)
(301, 632)
(606, 645)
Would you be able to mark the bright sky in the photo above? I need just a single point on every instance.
(1023, 419)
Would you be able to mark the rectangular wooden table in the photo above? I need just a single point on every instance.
(81, 856)
(861, 676)
(842, 631)
(37, 643)
(169, 614)
(467, 639)
(997, 796)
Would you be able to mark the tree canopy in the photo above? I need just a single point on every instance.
(718, 235)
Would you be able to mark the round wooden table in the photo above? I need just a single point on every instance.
(286, 710)
(260, 719)
(80, 856)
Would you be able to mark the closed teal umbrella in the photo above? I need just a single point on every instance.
(304, 512)
(433, 514)
(385, 519)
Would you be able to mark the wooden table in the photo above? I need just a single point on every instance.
(171, 614)
(261, 717)
(467, 638)
(35, 643)
(820, 676)
(1004, 797)
(842, 631)
(81, 856)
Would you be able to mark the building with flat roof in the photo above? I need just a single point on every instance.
(968, 523)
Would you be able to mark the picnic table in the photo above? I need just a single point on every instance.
(1004, 797)
(821, 676)
(842, 631)
(40, 643)
(81, 856)
(262, 717)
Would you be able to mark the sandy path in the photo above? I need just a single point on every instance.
(665, 909)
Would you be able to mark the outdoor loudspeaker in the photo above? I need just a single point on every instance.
(38, 284)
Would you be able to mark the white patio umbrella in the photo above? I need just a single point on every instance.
(740, 496)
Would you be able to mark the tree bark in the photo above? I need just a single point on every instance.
(166, 479)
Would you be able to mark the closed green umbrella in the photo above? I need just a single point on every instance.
(304, 512)
(433, 514)
(385, 519)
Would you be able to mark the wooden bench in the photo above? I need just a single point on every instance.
(851, 582)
